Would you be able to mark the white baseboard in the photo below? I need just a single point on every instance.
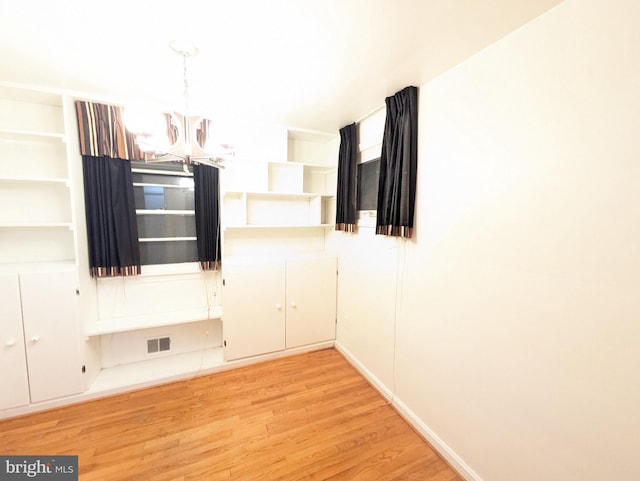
(443, 448)
(418, 424)
(377, 384)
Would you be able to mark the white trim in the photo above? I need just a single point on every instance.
(138, 170)
(443, 448)
(152, 270)
(166, 239)
(377, 384)
(367, 218)
(164, 212)
(8, 134)
(371, 113)
(164, 186)
(420, 426)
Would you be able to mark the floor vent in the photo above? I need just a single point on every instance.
(158, 344)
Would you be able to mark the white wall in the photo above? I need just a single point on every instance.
(514, 311)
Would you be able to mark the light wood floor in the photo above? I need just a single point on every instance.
(310, 416)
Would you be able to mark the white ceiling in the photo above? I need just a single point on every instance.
(313, 64)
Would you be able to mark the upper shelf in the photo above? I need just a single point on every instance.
(33, 95)
(31, 135)
(43, 180)
(124, 324)
(36, 224)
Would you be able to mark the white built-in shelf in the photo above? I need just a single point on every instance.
(277, 226)
(124, 324)
(164, 212)
(37, 95)
(36, 180)
(35, 188)
(317, 168)
(27, 267)
(18, 134)
(166, 239)
(162, 368)
(36, 224)
(289, 195)
(164, 186)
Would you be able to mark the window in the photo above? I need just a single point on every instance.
(164, 200)
(367, 181)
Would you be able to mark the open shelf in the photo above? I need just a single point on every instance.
(38, 219)
(19, 134)
(35, 243)
(276, 226)
(272, 209)
(36, 224)
(150, 371)
(124, 324)
(35, 180)
(32, 95)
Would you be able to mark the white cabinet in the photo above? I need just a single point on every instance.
(311, 300)
(13, 363)
(273, 304)
(40, 337)
(253, 320)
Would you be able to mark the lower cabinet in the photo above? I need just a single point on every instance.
(13, 360)
(276, 304)
(40, 337)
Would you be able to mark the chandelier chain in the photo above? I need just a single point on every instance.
(186, 83)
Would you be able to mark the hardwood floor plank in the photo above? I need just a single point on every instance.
(304, 417)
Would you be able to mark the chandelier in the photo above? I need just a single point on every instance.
(177, 136)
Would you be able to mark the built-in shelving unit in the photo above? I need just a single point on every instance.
(277, 199)
(276, 214)
(37, 219)
(280, 206)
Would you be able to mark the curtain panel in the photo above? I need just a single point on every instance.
(207, 210)
(102, 132)
(112, 230)
(398, 165)
(346, 193)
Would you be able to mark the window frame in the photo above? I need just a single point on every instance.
(138, 167)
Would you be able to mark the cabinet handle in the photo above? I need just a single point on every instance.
(10, 343)
(35, 339)
(293, 304)
(278, 306)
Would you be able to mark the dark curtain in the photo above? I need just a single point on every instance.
(398, 165)
(346, 194)
(112, 231)
(207, 207)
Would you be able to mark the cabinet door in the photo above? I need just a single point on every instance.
(51, 334)
(311, 300)
(13, 365)
(254, 308)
